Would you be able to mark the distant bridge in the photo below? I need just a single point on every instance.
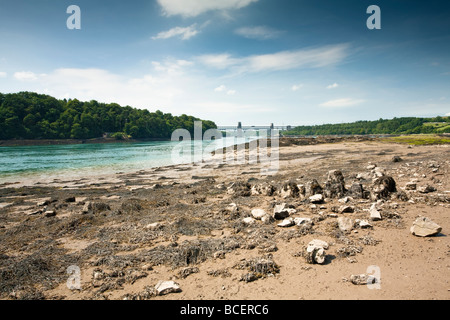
(256, 128)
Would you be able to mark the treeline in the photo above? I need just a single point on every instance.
(28, 115)
(381, 126)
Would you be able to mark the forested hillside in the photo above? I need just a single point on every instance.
(381, 126)
(28, 115)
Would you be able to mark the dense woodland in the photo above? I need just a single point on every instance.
(28, 115)
(381, 126)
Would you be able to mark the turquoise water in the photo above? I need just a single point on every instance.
(59, 161)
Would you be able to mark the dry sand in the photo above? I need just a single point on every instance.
(120, 256)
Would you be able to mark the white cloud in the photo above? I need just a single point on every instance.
(284, 60)
(333, 86)
(259, 32)
(3, 74)
(192, 8)
(184, 33)
(220, 88)
(296, 87)
(25, 76)
(346, 102)
(447, 114)
(231, 92)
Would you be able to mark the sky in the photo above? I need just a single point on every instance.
(287, 62)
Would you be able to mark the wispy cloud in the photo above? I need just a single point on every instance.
(193, 8)
(258, 33)
(296, 87)
(184, 33)
(3, 74)
(333, 86)
(223, 88)
(25, 76)
(339, 103)
(284, 60)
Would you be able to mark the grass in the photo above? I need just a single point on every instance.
(419, 139)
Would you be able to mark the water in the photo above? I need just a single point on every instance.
(68, 161)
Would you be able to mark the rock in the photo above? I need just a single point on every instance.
(239, 189)
(345, 224)
(396, 159)
(345, 200)
(313, 187)
(267, 219)
(258, 213)
(364, 176)
(425, 227)
(50, 213)
(249, 277)
(335, 185)
(289, 189)
(264, 189)
(375, 215)
(153, 226)
(411, 186)
(356, 190)
(382, 187)
(281, 211)
(315, 251)
(86, 207)
(362, 279)
(221, 186)
(302, 221)
(346, 209)
(371, 166)
(318, 198)
(249, 220)
(289, 222)
(363, 224)
(166, 287)
(426, 189)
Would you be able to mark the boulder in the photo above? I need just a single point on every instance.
(383, 186)
(375, 215)
(426, 189)
(425, 227)
(356, 190)
(313, 187)
(346, 209)
(264, 189)
(166, 287)
(396, 159)
(289, 222)
(239, 189)
(335, 185)
(317, 198)
(249, 220)
(281, 211)
(258, 213)
(302, 221)
(362, 279)
(315, 251)
(289, 189)
(345, 224)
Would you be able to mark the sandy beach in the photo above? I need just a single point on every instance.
(126, 232)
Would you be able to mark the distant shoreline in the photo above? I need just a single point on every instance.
(50, 142)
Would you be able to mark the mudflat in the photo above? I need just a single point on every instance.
(195, 226)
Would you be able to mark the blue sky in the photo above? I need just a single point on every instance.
(256, 61)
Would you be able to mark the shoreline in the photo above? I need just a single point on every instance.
(51, 142)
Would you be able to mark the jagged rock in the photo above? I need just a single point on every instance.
(345, 224)
(289, 222)
(239, 189)
(426, 189)
(396, 159)
(357, 190)
(425, 227)
(371, 166)
(267, 219)
(363, 223)
(313, 187)
(335, 185)
(258, 213)
(302, 221)
(301, 190)
(318, 198)
(289, 189)
(264, 189)
(375, 215)
(382, 187)
(281, 211)
(50, 213)
(166, 287)
(362, 279)
(315, 251)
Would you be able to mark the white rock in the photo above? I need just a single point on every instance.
(249, 220)
(166, 287)
(300, 221)
(281, 212)
(317, 198)
(258, 213)
(316, 243)
(425, 227)
(289, 222)
(152, 226)
(375, 215)
(345, 224)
